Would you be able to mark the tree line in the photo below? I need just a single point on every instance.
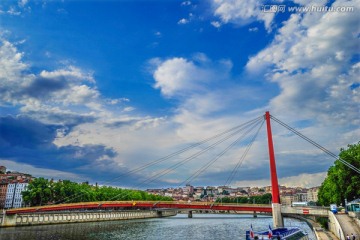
(42, 191)
(262, 199)
(342, 182)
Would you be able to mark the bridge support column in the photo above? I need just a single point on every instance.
(190, 214)
(255, 215)
(159, 214)
(276, 214)
(276, 205)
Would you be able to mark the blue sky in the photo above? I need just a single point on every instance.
(92, 89)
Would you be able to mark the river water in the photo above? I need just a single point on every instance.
(201, 226)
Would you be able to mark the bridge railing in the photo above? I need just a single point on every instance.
(317, 211)
(124, 204)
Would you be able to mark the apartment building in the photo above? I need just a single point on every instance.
(12, 184)
(14, 195)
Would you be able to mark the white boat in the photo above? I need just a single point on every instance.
(285, 233)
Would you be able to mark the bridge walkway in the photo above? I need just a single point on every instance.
(322, 234)
(348, 225)
(325, 235)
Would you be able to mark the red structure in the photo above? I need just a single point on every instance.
(273, 174)
(275, 209)
(142, 205)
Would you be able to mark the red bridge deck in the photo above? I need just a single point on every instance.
(143, 205)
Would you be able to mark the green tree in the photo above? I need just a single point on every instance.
(42, 191)
(342, 182)
(38, 192)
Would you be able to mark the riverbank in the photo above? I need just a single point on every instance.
(47, 218)
(320, 233)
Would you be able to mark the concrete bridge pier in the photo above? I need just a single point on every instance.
(276, 214)
(255, 214)
(159, 214)
(190, 214)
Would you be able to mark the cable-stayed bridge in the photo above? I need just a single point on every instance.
(112, 209)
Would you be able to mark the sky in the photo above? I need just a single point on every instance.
(91, 90)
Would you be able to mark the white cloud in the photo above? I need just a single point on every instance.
(116, 101)
(180, 76)
(186, 3)
(22, 3)
(71, 73)
(183, 21)
(216, 24)
(80, 94)
(15, 8)
(10, 61)
(40, 172)
(129, 109)
(242, 12)
(312, 63)
(254, 29)
(50, 90)
(310, 60)
(208, 96)
(11, 73)
(303, 180)
(13, 11)
(176, 75)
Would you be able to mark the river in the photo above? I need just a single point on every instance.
(201, 226)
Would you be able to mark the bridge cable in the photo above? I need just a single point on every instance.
(316, 144)
(138, 169)
(175, 166)
(181, 151)
(242, 158)
(201, 152)
(207, 165)
(188, 159)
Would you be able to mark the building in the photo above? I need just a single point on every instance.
(11, 186)
(2, 170)
(301, 197)
(353, 206)
(188, 190)
(14, 195)
(287, 199)
(3, 190)
(312, 194)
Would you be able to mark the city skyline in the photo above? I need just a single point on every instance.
(90, 90)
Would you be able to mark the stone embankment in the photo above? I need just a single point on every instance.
(43, 218)
(348, 225)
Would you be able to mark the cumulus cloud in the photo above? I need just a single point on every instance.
(14, 8)
(302, 180)
(313, 63)
(316, 74)
(22, 3)
(179, 76)
(186, 3)
(47, 93)
(71, 73)
(216, 24)
(32, 141)
(242, 12)
(183, 21)
(41, 172)
(175, 76)
(64, 123)
(311, 60)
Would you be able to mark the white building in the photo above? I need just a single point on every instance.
(313, 194)
(14, 196)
